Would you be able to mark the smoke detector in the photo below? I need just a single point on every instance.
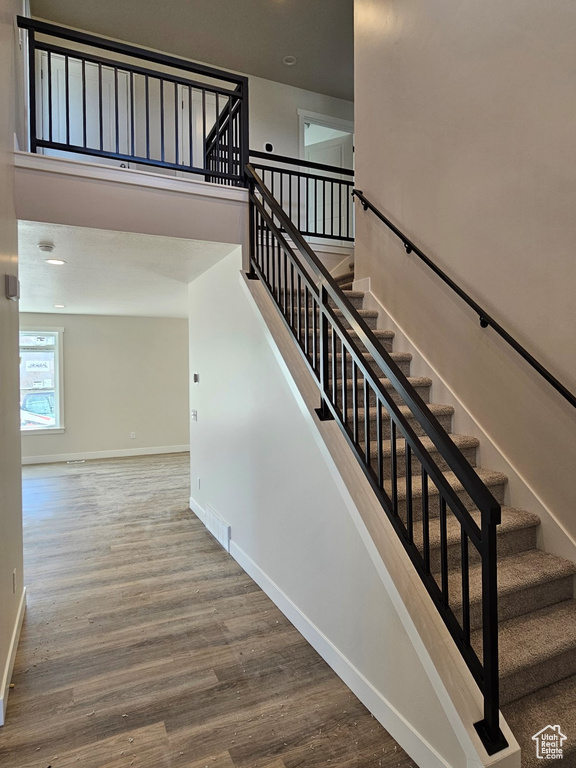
(46, 247)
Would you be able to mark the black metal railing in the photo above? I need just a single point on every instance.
(484, 317)
(319, 204)
(424, 483)
(179, 115)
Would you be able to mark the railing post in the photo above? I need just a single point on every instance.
(324, 413)
(251, 274)
(489, 728)
(32, 90)
(244, 129)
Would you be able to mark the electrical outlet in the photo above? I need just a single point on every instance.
(132, 435)
(194, 415)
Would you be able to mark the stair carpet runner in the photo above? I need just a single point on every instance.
(537, 609)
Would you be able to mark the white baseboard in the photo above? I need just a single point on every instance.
(118, 453)
(420, 750)
(7, 675)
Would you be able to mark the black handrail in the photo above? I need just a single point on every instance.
(288, 290)
(302, 163)
(485, 319)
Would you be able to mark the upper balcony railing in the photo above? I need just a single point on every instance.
(175, 115)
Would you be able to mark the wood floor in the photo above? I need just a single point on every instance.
(146, 645)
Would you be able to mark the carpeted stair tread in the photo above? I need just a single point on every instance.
(398, 357)
(489, 477)
(554, 704)
(380, 334)
(516, 533)
(437, 409)
(527, 581)
(536, 649)
(364, 313)
(462, 441)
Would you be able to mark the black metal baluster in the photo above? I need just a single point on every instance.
(443, 550)
(344, 384)
(425, 521)
(67, 92)
(307, 321)
(162, 126)
(49, 96)
(465, 574)
(315, 335)
(315, 206)
(299, 283)
(230, 152)
(190, 132)
(33, 118)
(290, 213)
(176, 121)
(299, 179)
(116, 117)
(334, 368)
(379, 440)
(285, 283)
(394, 464)
(332, 208)
(355, 402)
(84, 123)
(366, 422)
(100, 108)
(349, 204)
(147, 100)
(204, 147)
(292, 324)
(132, 110)
(409, 513)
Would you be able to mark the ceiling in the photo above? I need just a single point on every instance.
(249, 36)
(110, 273)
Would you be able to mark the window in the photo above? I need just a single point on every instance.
(41, 380)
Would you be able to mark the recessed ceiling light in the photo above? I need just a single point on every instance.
(59, 306)
(289, 60)
(57, 262)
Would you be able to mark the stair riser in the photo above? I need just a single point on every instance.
(468, 453)
(356, 301)
(527, 681)
(523, 601)
(434, 502)
(445, 421)
(509, 543)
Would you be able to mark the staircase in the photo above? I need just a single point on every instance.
(536, 608)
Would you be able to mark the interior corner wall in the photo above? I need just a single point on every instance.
(256, 463)
(121, 375)
(465, 126)
(11, 565)
(274, 113)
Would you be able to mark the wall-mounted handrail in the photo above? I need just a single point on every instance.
(319, 315)
(485, 318)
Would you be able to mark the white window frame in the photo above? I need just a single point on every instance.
(58, 332)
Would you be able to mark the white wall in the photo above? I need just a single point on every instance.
(263, 471)
(274, 113)
(121, 375)
(464, 137)
(11, 595)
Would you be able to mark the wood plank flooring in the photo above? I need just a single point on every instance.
(146, 645)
